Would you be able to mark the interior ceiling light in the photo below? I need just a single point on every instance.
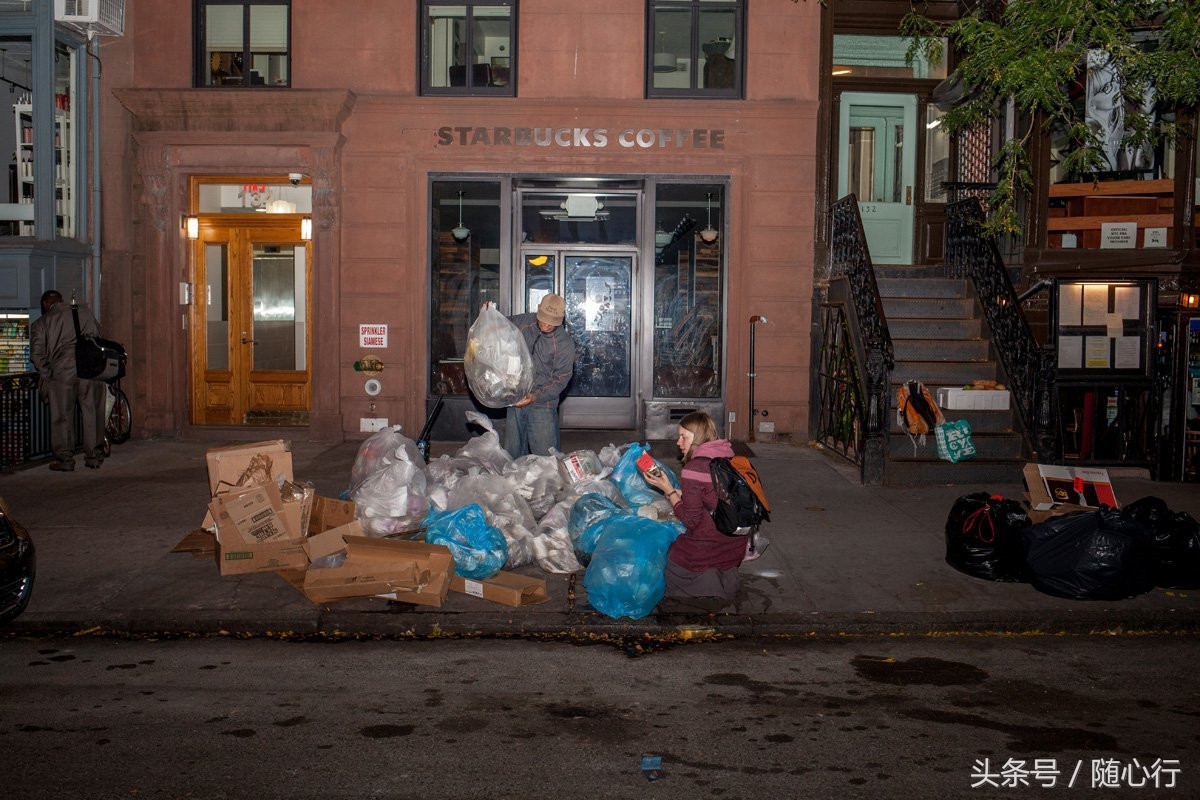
(577, 208)
(709, 234)
(461, 232)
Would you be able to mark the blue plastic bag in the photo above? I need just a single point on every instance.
(629, 481)
(479, 549)
(626, 575)
(588, 511)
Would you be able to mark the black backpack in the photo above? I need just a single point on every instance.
(741, 508)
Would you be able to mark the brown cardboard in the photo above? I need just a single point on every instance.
(326, 543)
(328, 513)
(413, 572)
(506, 588)
(1043, 507)
(255, 533)
(248, 464)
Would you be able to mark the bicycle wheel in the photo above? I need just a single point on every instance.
(120, 420)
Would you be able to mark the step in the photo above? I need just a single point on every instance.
(921, 349)
(980, 421)
(907, 472)
(923, 287)
(928, 307)
(988, 446)
(918, 328)
(940, 373)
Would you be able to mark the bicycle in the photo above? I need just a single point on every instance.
(119, 420)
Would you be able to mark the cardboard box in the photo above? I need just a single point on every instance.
(248, 464)
(328, 513)
(413, 572)
(973, 399)
(1053, 490)
(506, 588)
(254, 534)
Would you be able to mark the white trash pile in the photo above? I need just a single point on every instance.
(528, 499)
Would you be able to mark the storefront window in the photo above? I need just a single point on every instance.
(695, 47)
(243, 43)
(467, 48)
(32, 134)
(688, 288)
(465, 272)
(578, 218)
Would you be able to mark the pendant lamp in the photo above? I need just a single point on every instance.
(460, 233)
(709, 234)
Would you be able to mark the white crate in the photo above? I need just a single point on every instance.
(973, 399)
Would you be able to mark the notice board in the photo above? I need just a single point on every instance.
(1104, 328)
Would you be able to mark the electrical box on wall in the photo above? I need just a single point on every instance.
(371, 424)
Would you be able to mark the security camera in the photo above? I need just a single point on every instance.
(295, 177)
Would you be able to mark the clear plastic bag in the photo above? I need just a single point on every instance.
(393, 499)
(538, 480)
(380, 450)
(498, 365)
(552, 548)
(506, 510)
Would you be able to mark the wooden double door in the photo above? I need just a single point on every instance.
(250, 332)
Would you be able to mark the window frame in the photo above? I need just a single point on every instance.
(200, 67)
(695, 7)
(468, 89)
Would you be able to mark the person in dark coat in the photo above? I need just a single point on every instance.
(702, 561)
(52, 351)
(532, 422)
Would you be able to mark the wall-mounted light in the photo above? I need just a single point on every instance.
(306, 228)
(842, 71)
(461, 232)
(709, 234)
(1189, 300)
(191, 224)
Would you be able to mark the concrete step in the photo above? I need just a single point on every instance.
(928, 308)
(917, 328)
(940, 349)
(981, 421)
(901, 471)
(923, 287)
(943, 373)
(990, 446)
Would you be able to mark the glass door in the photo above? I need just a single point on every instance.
(877, 163)
(597, 288)
(251, 338)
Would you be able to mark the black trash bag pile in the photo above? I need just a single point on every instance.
(1108, 554)
(983, 537)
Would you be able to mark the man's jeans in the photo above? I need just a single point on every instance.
(532, 429)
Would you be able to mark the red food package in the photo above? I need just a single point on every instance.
(645, 462)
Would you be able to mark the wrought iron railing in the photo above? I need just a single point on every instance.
(855, 356)
(1028, 367)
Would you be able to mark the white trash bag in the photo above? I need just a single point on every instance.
(498, 364)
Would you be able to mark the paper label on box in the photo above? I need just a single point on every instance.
(474, 588)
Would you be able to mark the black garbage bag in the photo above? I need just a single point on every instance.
(1176, 542)
(1090, 555)
(983, 537)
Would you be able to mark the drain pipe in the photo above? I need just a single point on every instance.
(757, 318)
(95, 163)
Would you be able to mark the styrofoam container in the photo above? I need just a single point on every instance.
(973, 399)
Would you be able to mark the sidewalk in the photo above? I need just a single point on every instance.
(843, 559)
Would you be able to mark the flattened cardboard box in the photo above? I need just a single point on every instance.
(506, 588)
(413, 572)
(248, 464)
(255, 532)
(1049, 487)
(328, 513)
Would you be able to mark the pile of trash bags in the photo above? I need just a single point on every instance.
(565, 512)
(1106, 554)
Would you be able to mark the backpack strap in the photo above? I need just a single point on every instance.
(75, 316)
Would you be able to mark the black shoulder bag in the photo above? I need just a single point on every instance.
(97, 359)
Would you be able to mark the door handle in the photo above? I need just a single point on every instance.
(908, 195)
(245, 340)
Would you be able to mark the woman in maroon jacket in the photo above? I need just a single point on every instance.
(702, 562)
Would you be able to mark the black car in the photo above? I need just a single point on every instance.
(17, 566)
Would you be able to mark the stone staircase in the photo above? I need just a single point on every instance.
(939, 338)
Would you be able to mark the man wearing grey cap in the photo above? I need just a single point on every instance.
(532, 424)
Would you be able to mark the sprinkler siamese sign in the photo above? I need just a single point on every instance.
(583, 138)
(372, 335)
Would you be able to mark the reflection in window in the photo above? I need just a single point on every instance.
(465, 273)
(578, 218)
(242, 43)
(937, 156)
(278, 301)
(861, 56)
(695, 47)
(467, 48)
(688, 283)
